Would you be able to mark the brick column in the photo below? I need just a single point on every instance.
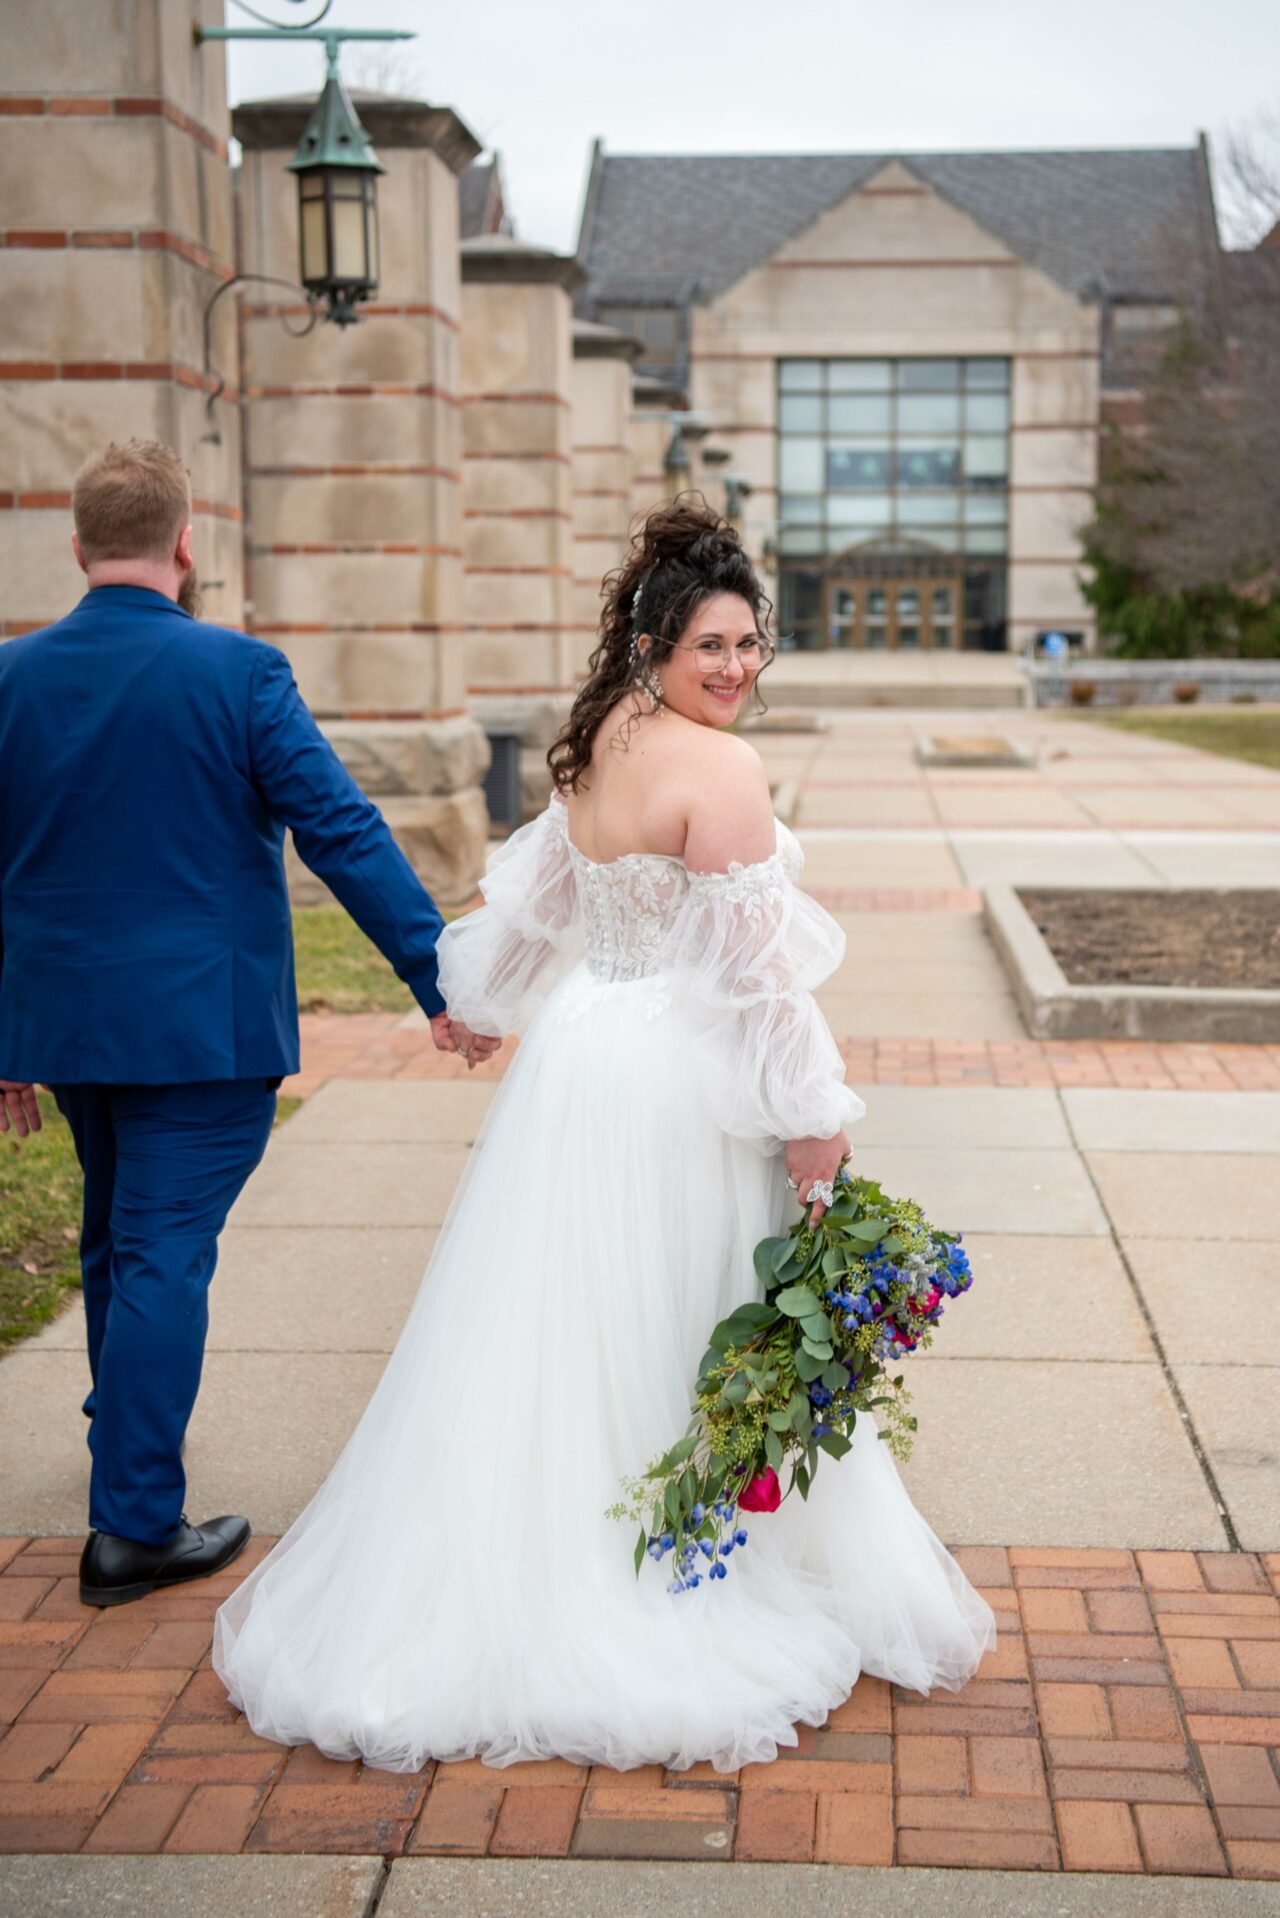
(353, 480)
(117, 227)
(517, 437)
(600, 389)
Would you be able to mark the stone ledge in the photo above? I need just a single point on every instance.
(1150, 682)
(1053, 1008)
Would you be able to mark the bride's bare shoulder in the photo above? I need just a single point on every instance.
(730, 808)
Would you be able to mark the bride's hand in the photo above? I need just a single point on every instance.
(475, 1047)
(813, 1162)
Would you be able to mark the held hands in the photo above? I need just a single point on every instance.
(451, 1035)
(813, 1162)
(18, 1108)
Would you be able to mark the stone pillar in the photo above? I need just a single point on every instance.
(600, 389)
(649, 432)
(353, 481)
(117, 229)
(517, 436)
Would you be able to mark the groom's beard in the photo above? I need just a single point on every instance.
(189, 595)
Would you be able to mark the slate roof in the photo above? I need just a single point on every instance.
(480, 200)
(1124, 217)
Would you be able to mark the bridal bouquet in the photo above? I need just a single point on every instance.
(784, 1381)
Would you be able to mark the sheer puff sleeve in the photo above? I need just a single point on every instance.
(751, 948)
(499, 963)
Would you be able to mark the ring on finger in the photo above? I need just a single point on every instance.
(823, 1191)
(793, 1185)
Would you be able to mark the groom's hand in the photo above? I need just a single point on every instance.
(19, 1107)
(442, 1032)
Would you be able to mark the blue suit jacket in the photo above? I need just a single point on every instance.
(148, 768)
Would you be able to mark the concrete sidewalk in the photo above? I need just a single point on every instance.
(1108, 1385)
(1126, 1246)
(42, 1887)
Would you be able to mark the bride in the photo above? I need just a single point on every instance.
(454, 1588)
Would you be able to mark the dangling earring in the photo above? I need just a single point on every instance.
(645, 677)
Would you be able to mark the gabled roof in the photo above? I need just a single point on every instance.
(1139, 221)
(481, 200)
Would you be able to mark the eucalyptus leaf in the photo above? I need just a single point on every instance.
(817, 1349)
(835, 1444)
(797, 1301)
(808, 1367)
(671, 1503)
(735, 1388)
(642, 1546)
(835, 1378)
(773, 1448)
(764, 1256)
(783, 1253)
(802, 1481)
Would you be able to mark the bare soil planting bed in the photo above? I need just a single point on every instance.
(1196, 939)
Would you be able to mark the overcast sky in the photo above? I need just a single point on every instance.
(539, 79)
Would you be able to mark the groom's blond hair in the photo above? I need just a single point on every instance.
(131, 502)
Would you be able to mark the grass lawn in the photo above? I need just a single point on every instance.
(40, 1187)
(39, 1226)
(338, 969)
(1238, 735)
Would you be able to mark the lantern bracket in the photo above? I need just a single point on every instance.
(215, 382)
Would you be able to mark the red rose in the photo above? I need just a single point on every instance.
(764, 1494)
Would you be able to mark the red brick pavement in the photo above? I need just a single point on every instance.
(373, 1045)
(1128, 1721)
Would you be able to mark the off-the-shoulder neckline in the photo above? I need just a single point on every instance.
(734, 870)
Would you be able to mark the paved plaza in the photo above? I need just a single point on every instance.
(1100, 1425)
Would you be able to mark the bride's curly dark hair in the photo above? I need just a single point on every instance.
(682, 554)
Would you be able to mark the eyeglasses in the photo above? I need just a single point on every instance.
(712, 655)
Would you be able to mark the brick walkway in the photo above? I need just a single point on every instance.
(378, 1045)
(1129, 1721)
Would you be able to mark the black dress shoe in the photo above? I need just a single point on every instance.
(115, 1570)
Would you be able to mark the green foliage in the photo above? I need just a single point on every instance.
(1141, 622)
(1181, 556)
(40, 1188)
(753, 1404)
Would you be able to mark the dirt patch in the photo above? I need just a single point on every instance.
(1175, 938)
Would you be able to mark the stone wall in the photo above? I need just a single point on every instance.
(353, 477)
(600, 393)
(117, 229)
(517, 440)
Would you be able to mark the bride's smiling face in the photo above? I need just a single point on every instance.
(706, 676)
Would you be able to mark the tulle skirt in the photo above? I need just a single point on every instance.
(454, 1589)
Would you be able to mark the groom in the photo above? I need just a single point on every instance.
(149, 766)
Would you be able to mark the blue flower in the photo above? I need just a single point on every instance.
(697, 1515)
(739, 1538)
(820, 1430)
(707, 1549)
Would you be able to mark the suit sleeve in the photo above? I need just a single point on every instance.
(339, 833)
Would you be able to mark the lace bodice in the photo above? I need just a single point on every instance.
(740, 951)
(631, 906)
(628, 909)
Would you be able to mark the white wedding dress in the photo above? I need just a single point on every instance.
(454, 1588)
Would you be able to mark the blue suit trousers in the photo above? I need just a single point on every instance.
(163, 1166)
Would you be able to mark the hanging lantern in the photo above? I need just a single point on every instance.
(337, 171)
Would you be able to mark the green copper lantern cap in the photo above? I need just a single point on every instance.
(333, 136)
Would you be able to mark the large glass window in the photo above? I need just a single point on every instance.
(909, 454)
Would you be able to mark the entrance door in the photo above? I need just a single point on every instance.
(909, 615)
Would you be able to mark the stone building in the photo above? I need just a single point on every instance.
(892, 369)
(909, 356)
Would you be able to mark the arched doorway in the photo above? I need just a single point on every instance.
(902, 595)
